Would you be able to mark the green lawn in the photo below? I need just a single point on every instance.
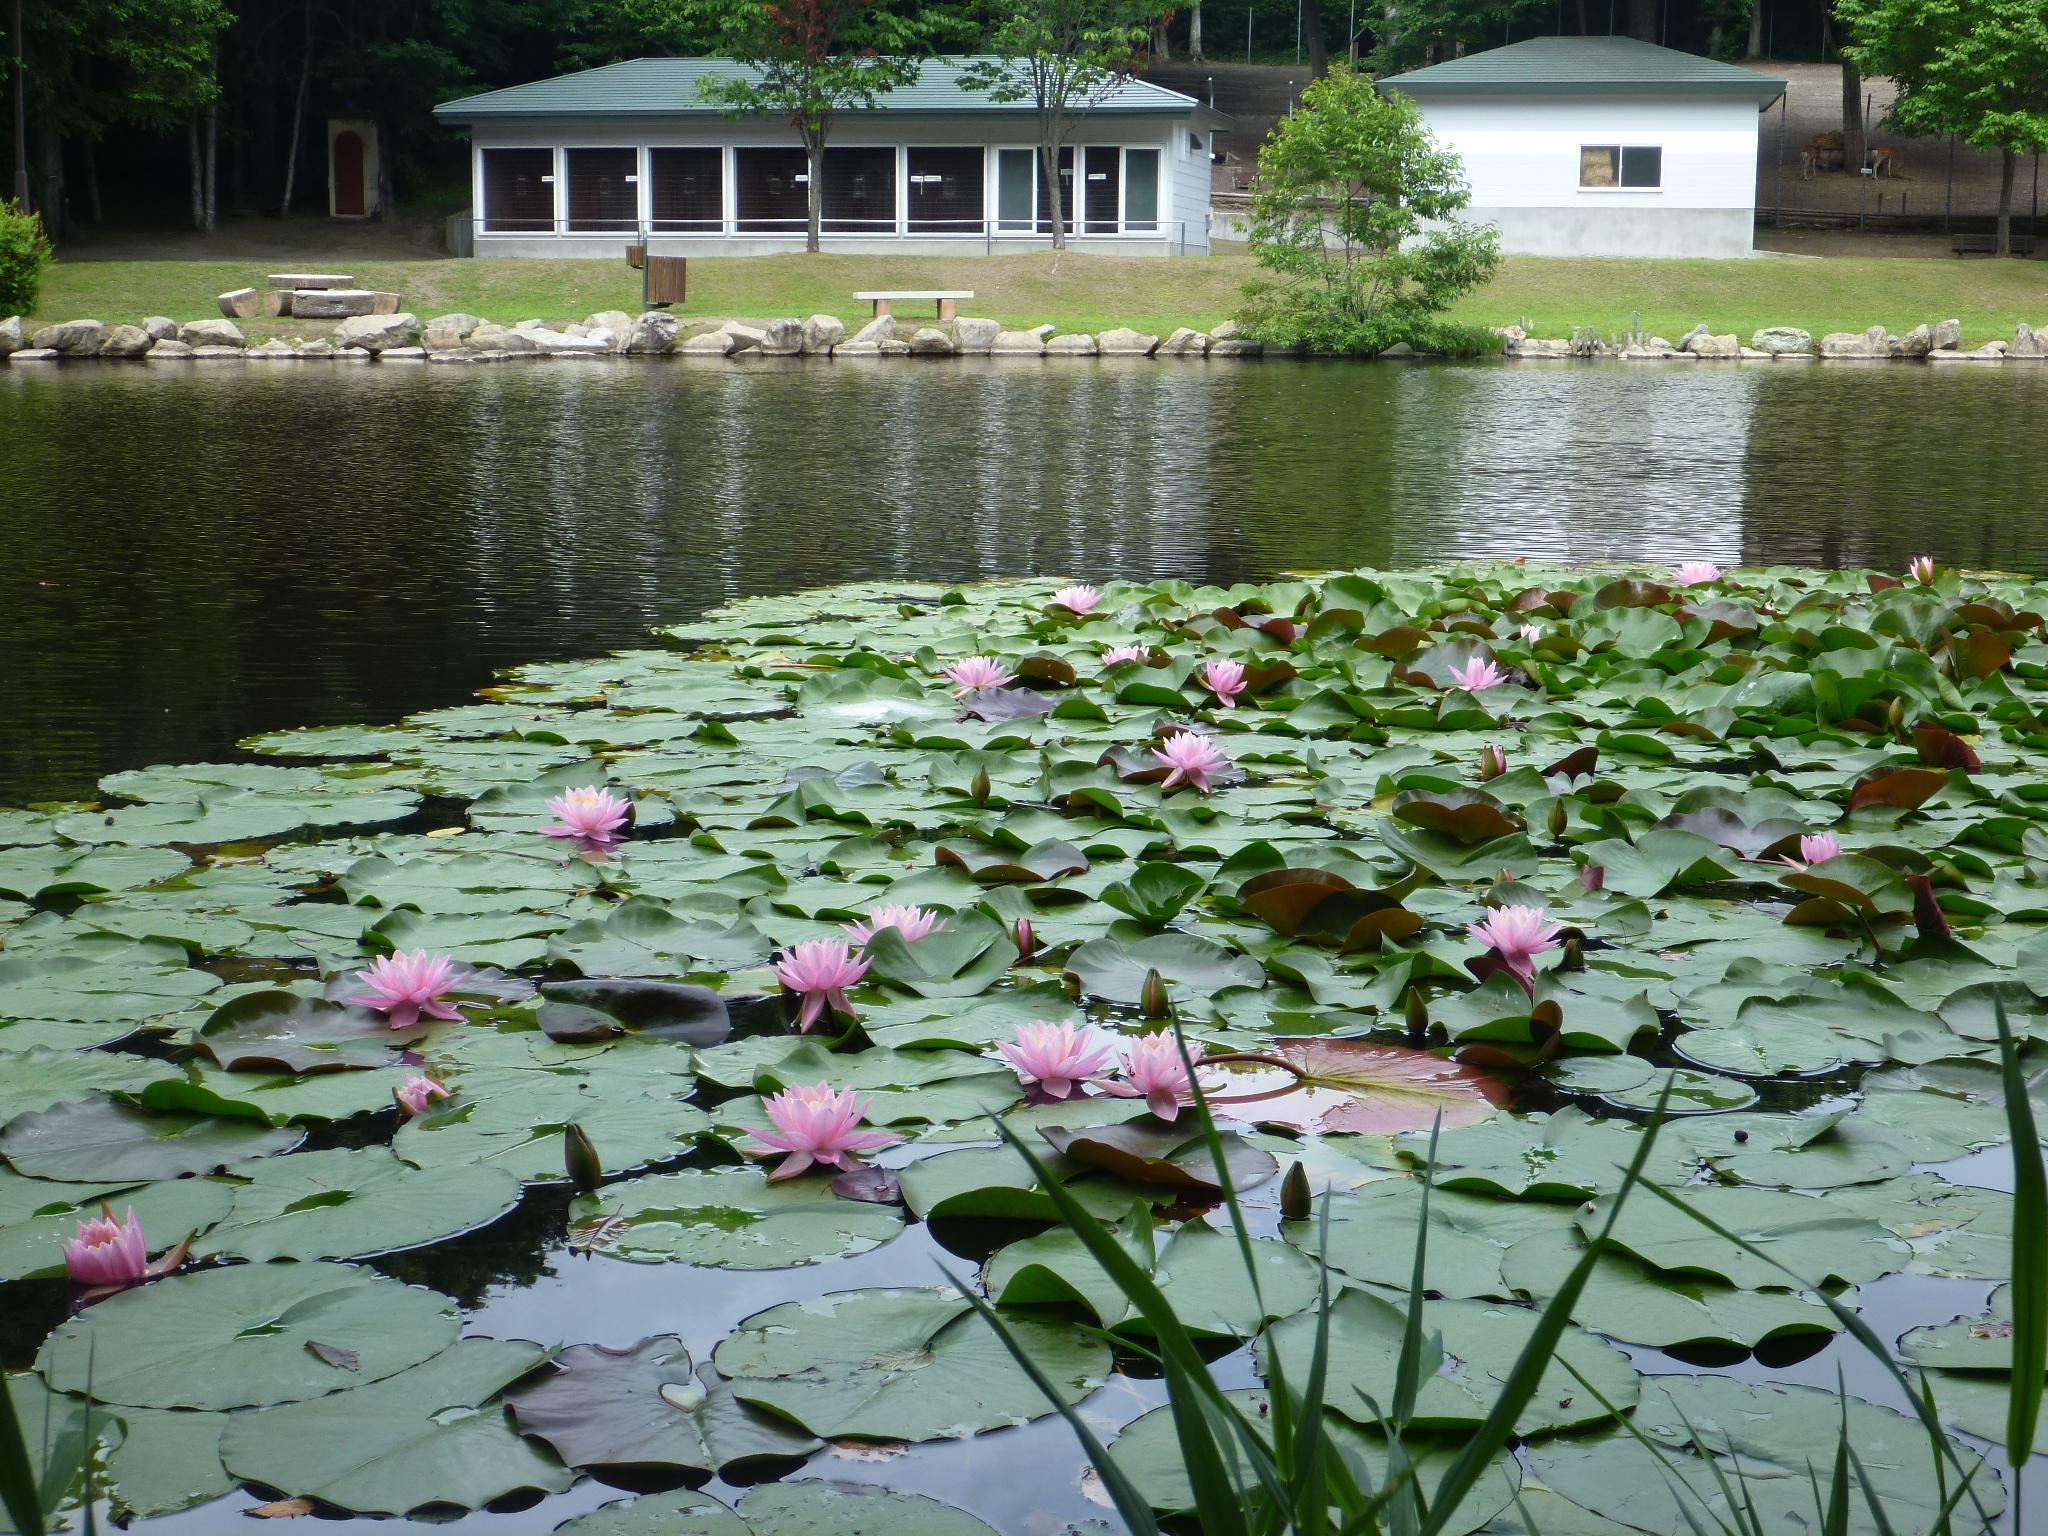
(1089, 293)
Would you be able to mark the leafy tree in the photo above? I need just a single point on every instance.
(1974, 68)
(1346, 186)
(812, 59)
(1064, 57)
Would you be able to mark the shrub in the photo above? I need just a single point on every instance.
(1355, 216)
(24, 253)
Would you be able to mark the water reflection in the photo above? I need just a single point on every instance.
(190, 555)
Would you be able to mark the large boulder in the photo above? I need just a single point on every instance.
(273, 350)
(652, 335)
(1917, 342)
(341, 303)
(127, 341)
(1122, 341)
(975, 336)
(12, 337)
(745, 338)
(562, 343)
(1031, 342)
(71, 338)
(1948, 335)
(1229, 330)
(617, 321)
(161, 328)
(320, 350)
(2028, 343)
(782, 338)
(711, 343)
(1074, 344)
(459, 325)
(878, 330)
(1782, 340)
(1705, 344)
(489, 337)
(241, 304)
(377, 333)
(930, 341)
(168, 349)
(212, 333)
(821, 333)
(1184, 343)
(1235, 346)
(1856, 344)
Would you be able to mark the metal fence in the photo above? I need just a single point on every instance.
(466, 233)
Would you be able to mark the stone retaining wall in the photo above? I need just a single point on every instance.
(463, 338)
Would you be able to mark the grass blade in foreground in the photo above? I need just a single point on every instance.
(18, 1494)
(2029, 1256)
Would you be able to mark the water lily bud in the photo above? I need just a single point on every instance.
(1574, 956)
(1027, 941)
(1560, 818)
(1592, 877)
(1152, 1001)
(978, 790)
(1493, 762)
(579, 1157)
(1296, 1204)
(1418, 1013)
(1896, 717)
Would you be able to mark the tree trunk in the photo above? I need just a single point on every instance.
(1642, 20)
(1318, 50)
(22, 194)
(1585, 25)
(1852, 117)
(212, 166)
(1049, 153)
(1756, 29)
(1162, 46)
(291, 156)
(88, 163)
(1195, 34)
(814, 148)
(198, 163)
(55, 204)
(2008, 164)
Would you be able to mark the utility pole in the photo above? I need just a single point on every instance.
(21, 196)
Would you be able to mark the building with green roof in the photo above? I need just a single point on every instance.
(1602, 146)
(587, 161)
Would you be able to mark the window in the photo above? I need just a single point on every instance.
(1623, 166)
(773, 187)
(860, 191)
(946, 190)
(1103, 196)
(689, 189)
(519, 191)
(1066, 191)
(1141, 191)
(1015, 178)
(604, 190)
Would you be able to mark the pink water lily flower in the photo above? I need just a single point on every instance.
(1493, 762)
(1077, 600)
(912, 922)
(107, 1252)
(1191, 758)
(1696, 573)
(404, 987)
(416, 1093)
(1921, 569)
(1153, 1071)
(1225, 679)
(1055, 1057)
(1814, 848)
(1478, 675)
(1117, 654)
(591, 816)
(817, 1125)
(1517, 935)
(974, 672)
(820, 971)
(1530, 633)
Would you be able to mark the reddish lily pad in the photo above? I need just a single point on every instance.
(1168, 1156)
(1470, 815)
(1905, 788)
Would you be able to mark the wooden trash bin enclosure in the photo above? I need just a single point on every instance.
(664, 280)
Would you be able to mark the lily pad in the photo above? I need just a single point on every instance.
(99, 1142)
(351, 1204)
(734, 1219)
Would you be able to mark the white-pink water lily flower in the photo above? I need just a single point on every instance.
(107, 1252)
(913, 923)
(1921, 569)
(1517, 935)
(1118, 654)
(1478, 675)
(405, 987)
(972, 672)
(1493, 762)
(1077, 599)
(591, 816)
(1814, 848)
(1530, 633)
(1191, 758)
(1225, 679)
(1153, 1071)
(1055, 1057)
(816, 1125)
(416, 1093)
(819, 971)
(1696, 573)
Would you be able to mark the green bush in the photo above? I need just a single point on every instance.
(24, 253)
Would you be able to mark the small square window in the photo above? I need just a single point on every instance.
(1603, 166)
(1642, 166)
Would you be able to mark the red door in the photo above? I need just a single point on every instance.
(348, 172)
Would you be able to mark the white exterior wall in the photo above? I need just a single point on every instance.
(1182, 225)
(1521, 157)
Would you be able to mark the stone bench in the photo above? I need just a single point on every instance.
(298, 280)
(947, 299)
(340, 303)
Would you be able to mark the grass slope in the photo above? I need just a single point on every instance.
(1089, 292)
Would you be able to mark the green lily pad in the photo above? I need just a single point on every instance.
(351, 1204)
(286, 1032)
(733, 1219)
(99, 1142)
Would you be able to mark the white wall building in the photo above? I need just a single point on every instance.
(1601, 146)
(577, 164)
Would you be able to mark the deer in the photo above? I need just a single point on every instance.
(1885, 161)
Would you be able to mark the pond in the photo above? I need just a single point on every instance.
(326, 543)
(345, 548)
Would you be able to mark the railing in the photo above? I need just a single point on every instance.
(991, 232)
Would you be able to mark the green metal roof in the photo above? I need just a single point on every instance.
(669, 87)
(1585, 66)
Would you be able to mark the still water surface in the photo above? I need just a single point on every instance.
(191, 555)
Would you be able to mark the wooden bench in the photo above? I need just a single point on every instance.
(1987, 245)
(948, 299)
